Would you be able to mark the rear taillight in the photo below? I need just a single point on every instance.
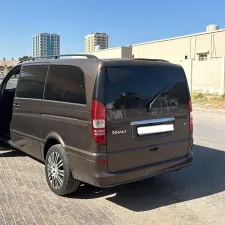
(102, 162)
(99, 122)
(190, 117)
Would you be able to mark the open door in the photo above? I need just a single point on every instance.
(7, 93)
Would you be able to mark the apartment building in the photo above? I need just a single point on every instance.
(96, 40)
(45, 44)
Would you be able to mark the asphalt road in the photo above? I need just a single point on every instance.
(194, 195)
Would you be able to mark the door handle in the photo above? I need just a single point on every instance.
(154, 148)
(16, 105)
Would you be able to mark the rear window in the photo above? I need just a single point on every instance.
(130, 87)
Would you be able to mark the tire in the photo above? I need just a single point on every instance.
(59, 178)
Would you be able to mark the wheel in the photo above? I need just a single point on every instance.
(58, 173)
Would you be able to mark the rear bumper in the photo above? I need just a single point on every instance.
(90, 172)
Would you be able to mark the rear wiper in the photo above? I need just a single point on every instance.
(149, 104)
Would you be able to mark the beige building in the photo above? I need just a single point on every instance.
(115, 53)
(202, 55)
(200, 46)
(6, 65)
(96, 40)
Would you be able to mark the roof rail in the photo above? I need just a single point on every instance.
(159, 60)
(89, 56)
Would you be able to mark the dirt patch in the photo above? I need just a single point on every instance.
(208, 101)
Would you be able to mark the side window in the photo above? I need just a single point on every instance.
(32, 81)
(65, 84)
(13, 80)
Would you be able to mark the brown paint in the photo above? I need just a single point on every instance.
(129, 157)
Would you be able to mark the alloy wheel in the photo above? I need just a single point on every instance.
(55, 170)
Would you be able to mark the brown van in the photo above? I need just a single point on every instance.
(102, 122)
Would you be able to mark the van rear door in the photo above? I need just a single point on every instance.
(147, 114)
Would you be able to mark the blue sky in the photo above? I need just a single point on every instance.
(126, 21)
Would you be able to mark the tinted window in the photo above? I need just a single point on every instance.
(65, 84)
(139, 86)
(31, 82)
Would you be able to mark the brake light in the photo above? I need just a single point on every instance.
(98, 122)
(102, 162)
(190, 117)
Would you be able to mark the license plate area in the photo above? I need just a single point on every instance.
(154, 129)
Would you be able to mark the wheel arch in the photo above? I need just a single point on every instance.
(52, 139)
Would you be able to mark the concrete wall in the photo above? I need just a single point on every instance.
(117, 53)
(205, 76)
(177, 48)
(222, 84)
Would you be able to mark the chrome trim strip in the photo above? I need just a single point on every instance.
(142, 122)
